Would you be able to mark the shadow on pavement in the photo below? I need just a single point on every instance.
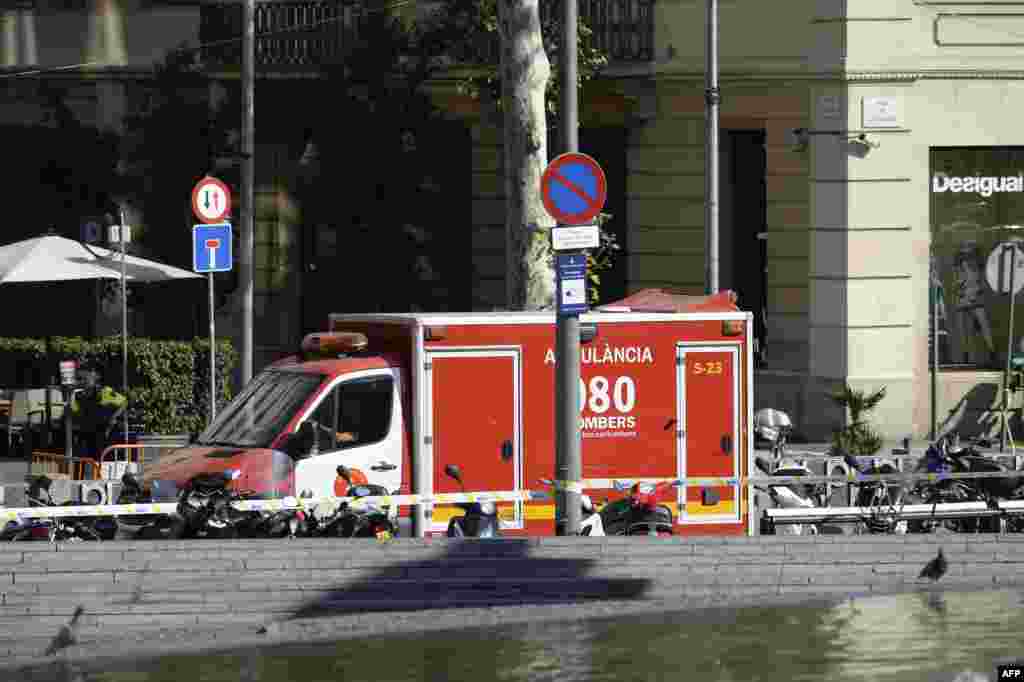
(475, 573)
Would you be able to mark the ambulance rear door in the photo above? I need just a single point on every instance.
(708, 441)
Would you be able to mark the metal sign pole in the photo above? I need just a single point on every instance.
(567, 445)
(567, 333)
(213, 355)
(124, 331)
(934, 289)
(712, 98)
(245, 262)
(1009, 351)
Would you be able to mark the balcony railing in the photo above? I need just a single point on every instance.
(311, 33)
(289, 33)
(623, 29)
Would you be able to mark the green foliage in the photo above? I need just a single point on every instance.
(858, 438)
(172, 134)
(168, 381)
(600, 259)
(472, 29)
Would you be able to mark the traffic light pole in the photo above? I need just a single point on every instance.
(568, 464)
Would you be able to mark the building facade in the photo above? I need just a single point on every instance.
(869, 158)
(861, 143)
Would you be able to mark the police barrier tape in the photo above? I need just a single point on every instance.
(852, 477)
(280, 504)
(500, 496)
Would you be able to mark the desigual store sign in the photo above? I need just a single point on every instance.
(977, 199)
(985, 186)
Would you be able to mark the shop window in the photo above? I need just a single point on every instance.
(977, 199)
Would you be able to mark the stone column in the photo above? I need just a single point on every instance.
(9, 22)
(867, 257)
(29, 49)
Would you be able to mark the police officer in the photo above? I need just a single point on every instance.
(95, 411)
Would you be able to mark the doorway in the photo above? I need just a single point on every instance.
(743, 219)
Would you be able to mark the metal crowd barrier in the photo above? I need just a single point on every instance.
(117, 467)
(80, 469)
(953, 510)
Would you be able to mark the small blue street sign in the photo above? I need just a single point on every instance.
(571, 292)
(211, 248)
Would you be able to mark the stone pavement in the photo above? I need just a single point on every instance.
(146, 598)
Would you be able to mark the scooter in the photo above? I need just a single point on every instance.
(145, 526)
(591, 522)
(364, 521)
(946, 455)
(55, 529)
(646, 516)
(774, 426)
(639, 513)
(205, 504)
(480, 519)
(880, 498)
(788, 496)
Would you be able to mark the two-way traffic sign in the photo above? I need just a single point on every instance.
(211, 248)
(211, 200)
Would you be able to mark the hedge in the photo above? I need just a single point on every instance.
(168, 381)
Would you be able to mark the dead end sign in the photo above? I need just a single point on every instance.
(573, 188)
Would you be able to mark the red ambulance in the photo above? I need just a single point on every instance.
(666, 391)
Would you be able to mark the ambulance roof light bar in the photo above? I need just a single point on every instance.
(326, 344)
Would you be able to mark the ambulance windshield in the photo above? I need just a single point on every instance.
(262, 410)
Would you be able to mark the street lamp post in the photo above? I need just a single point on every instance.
(711, 98)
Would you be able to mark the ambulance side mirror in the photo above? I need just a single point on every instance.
(298, 444)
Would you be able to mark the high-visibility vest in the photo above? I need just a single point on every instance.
(341, 487)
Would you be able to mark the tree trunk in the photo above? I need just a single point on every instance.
(529, 279)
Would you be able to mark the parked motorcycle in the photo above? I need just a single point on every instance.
(145, 526)
(946, 455)
(646, 515)
(288, 523)
(774, 426)
(882, 499)
(591, 523)
(639, 513)
(54, 529)
(205, 505)
(363, 521)
(479, 519)
(791, 495)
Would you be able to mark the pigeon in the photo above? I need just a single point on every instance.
(66, 636)
(936, 568)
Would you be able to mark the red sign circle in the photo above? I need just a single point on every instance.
(555, 175)
(219, 211)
